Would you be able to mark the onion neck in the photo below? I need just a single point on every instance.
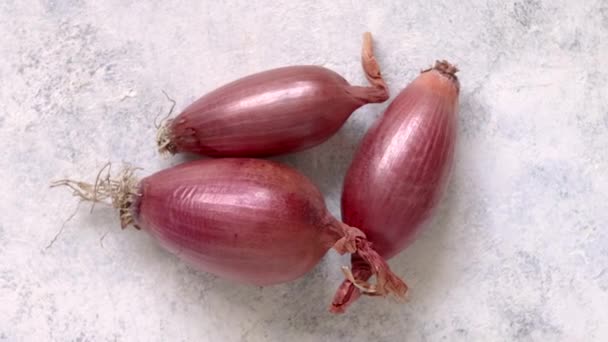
(377, 92)
(365, 95)
(352, 240)
(371, 67)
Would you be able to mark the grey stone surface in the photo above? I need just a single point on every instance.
(517, 252)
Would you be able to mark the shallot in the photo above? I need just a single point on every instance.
(272, 112)
(400, 171)
(249, 220)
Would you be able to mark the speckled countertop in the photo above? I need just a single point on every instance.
(517, 252)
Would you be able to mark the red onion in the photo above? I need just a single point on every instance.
(400, 170)
(249, 220)
(272, 112)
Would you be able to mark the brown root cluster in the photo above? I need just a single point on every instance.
(120, 191)
(163, 132)
(163, 139)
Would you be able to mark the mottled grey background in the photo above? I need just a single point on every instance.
(518, 252)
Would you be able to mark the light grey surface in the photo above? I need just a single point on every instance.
(519, 250)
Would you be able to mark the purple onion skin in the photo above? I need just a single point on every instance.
(269, 113)
(401, 169)
(248, 220)
(273, 112)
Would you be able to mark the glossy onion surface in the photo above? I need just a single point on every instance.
(400, 170)
(249, 220)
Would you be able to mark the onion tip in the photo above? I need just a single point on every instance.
(371, 67)
(444, 67)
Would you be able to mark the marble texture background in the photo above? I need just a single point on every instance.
(517, 252)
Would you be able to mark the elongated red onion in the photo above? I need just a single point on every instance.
(249, 220)
(400, 170)
(273, 112)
